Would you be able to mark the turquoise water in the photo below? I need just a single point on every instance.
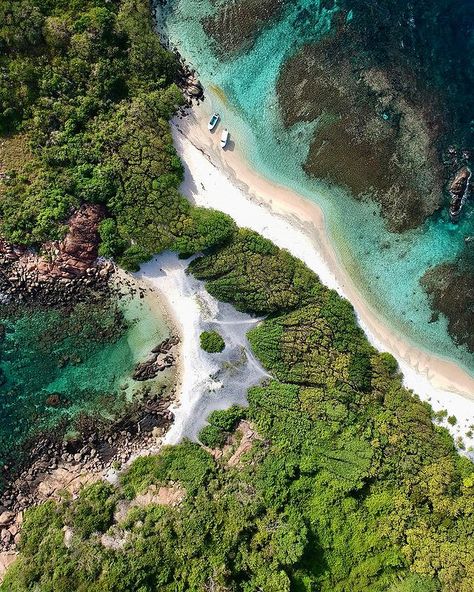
(84, 358)
(387, 267)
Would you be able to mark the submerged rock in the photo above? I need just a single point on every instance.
(369, 138)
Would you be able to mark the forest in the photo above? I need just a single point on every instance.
(90, 86)
(346, 484)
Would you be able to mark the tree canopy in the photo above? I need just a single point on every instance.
(93, 88)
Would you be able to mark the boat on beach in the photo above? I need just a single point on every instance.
(213, 121)
(224, 138)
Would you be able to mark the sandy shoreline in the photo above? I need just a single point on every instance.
(224, 181)
(205, 381)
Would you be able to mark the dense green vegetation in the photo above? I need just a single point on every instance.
(221, 425)
(349, 485)
(253, 274)
(211, 342)
(92, 87)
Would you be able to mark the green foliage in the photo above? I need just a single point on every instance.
(415, 583)
(360, 370)
(206, 229)
(227, 419)
(37, 520)
(212, 436)
(94, 510)
(303, 346)
(440, 415)
(221, 424)
(255, 276)
(390, 364)
(211, 342)
(94, 88)
(187, 463)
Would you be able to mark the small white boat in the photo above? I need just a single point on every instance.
(213, 121)
(224, 138)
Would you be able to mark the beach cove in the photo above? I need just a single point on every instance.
(406, 261)
(223, 180)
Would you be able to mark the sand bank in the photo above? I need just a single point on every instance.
(205, 381)
(223, 180)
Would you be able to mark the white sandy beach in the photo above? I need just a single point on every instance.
(223, 180)
(205, 381)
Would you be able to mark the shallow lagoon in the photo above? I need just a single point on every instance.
(58, 365)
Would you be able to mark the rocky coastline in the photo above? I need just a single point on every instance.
(60, 275)
(62, 272)
(55, 461)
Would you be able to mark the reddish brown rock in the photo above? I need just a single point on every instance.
(458, 185)
(51, 274)
(79, 250)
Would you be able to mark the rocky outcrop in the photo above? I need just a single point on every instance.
(192, 87)
(78, 251)
(459, 183)
(459, 190)
(63, 270)
(6, 559)
(56, 464)
(160, 359)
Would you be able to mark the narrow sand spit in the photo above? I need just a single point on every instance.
(222, 180)
(206, 381)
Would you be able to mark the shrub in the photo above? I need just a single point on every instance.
(211, 342)
(227, 419)
(360, 371)
(187, 463)
(390, 364)
(211, 436)
(221, 423)
(94, 509)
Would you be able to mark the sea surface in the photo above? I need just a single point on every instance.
(241, 86)
(58, 365)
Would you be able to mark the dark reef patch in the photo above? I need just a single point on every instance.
(391, 88)
(431, 42)
(450, 287)
(369, 137)
(235, 25)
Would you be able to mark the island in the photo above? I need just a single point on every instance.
(190, 401)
